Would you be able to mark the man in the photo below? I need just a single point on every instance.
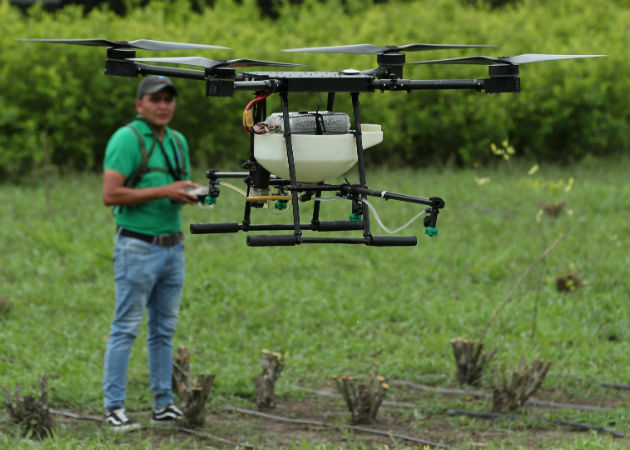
(146, 176)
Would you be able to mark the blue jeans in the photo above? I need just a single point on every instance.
(147, 277)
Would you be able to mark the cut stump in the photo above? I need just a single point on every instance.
(469, 361)
(264, 384)
(363, 399)
(192, 396)
(523, 383)
(28, 412)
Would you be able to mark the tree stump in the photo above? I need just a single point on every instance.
(272, 366)
(28, 412)
(469, 361)
(362, 399)
(192, 396)
(194, 401)
(523, 383)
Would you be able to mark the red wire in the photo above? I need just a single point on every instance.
(249, 105)
(257, 99)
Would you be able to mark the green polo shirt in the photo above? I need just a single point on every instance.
(123, 155)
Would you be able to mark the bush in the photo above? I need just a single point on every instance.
(568, 109)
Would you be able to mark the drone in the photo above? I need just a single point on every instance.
(294, 155)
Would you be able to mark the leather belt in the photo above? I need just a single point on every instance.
(163, 240)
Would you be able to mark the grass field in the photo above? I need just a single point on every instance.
(337, 309)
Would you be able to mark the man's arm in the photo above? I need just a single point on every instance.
(116, 193)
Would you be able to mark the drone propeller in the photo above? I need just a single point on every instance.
(213, 63)
(511, 60)
(143, 44)
(369, 49)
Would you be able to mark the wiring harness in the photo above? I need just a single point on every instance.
(248, 118)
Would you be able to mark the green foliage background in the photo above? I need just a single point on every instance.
(567, 109)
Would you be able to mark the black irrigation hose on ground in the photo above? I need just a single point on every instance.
(75, 416)
(624, 387)
(481, 394)
(425, 388)
(215, 438)
(204, 434)
(348, 427)
(566, 423)
(468, 393)
(620, 386)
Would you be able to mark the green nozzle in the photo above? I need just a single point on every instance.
(355, 217)
(210, 200)
(280, 204)
(431, 231)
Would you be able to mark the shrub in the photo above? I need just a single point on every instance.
(568, 109)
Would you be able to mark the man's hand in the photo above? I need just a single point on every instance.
(115, 192)
(177, 191)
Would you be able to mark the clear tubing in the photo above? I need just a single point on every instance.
(387, 230)
(231, 186)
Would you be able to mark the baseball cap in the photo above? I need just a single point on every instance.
(155, 83)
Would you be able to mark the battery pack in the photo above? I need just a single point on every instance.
(323, 122)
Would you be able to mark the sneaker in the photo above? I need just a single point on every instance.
(168, 414)
(119, 422)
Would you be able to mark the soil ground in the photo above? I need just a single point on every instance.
(409, 419)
